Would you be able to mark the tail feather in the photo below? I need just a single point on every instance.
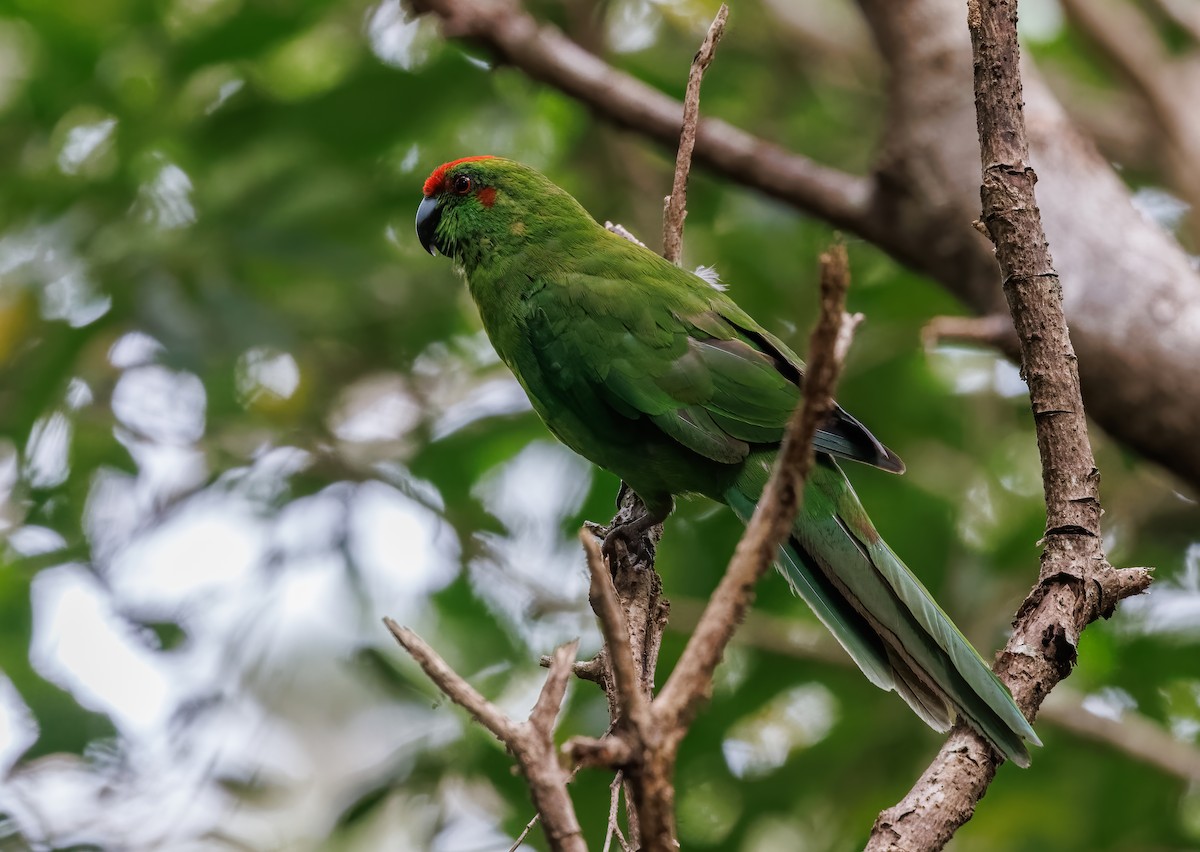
(926, 702)
(827, 603)
(884, 617)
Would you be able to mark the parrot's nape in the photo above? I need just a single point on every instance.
(650, 372)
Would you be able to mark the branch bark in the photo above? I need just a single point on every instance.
(1076, 584)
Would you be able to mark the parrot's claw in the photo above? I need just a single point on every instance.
(628, 540)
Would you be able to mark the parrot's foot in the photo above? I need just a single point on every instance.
(629, 539)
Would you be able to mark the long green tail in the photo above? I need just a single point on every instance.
(882, 614)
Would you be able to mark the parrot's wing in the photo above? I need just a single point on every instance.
(735, 333)
(700, 369)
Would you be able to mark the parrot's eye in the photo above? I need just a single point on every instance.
(461, 185)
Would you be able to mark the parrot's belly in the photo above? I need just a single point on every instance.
(651, 463)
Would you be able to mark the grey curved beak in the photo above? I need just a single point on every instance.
(428, 216)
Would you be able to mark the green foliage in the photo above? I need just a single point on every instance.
(243, 416)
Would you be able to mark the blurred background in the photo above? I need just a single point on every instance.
(243, 416)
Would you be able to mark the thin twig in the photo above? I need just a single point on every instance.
(1129, 37)
(544, 53)
(655, 743)
(612, 750)
(452, 683)
(614, 800)
(675, 205)
(914, 208)
(590, 670)
(530, 742)
(528, 828)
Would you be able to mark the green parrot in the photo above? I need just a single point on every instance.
(652, 373)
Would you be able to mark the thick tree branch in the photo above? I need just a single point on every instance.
(1183, 12)
(1129, 40)
(1076, 584)
(1132, 734)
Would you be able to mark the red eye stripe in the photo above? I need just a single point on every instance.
(487, 196)
(433, 184)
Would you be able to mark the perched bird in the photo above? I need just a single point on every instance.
(653, 374)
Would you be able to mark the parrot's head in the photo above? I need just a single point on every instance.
(458, 195)
(482, 205)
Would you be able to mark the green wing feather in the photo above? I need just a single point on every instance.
(702, 371)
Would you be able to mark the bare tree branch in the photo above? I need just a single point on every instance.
(632, 702)
(452, 683)
(516, 844)
(646, 750)
(1132, 734)
(675, 207)
(1076, 584)
(530, 742)
(1128, 39)
(614, 828)
(1183, 12)
(549, 700)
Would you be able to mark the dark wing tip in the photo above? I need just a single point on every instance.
(844, 436)
(889, 461)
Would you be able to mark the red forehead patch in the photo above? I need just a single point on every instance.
(433, 183)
